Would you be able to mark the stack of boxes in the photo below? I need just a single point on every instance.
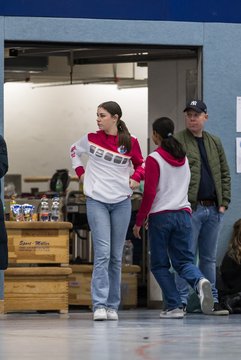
(38, 273)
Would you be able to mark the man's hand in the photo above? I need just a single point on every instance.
(222, 209)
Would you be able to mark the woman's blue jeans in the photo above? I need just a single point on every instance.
(108, 224)
(206, 226)
(170, 235)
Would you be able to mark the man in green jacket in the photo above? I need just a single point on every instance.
(209, 194)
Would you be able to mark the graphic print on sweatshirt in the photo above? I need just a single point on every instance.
(107, 155)
(109, 167)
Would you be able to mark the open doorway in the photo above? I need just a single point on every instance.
(52, 91)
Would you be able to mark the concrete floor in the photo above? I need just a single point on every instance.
(139, 334)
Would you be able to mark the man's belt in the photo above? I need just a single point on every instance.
(207, 202)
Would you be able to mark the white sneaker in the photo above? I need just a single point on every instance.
(172, 314)
(112, 314)
(100, 314)
(219, 310)
(205, 296)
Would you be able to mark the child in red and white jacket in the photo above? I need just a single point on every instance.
(165, 203)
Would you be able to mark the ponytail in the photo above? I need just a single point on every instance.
(165, 128)
(124, 137)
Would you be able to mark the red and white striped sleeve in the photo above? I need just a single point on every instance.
(77, 149)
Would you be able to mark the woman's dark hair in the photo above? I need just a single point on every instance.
(124, 137)
(165, 128)
(234, 247)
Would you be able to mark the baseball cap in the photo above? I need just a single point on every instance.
(196, 105)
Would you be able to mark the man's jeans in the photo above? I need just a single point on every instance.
(170, 235)
(109, 224)
(206, 226)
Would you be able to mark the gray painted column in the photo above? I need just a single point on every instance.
(1, 117)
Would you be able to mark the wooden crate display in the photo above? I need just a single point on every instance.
(80, 285)
(36, 288)
(129, 289)
(38, 242)
(1, 306)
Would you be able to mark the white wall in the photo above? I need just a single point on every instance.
(167, 95)
(41, 123)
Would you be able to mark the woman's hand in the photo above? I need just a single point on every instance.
(133, 184)
(136, 231)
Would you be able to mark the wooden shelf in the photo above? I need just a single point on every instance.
(38, 225)
(33, 179)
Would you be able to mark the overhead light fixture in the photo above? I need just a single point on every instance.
(26, 64)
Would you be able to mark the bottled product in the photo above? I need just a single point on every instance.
(44, 209)
(55, 211)
(12, 215)
(17, 212)
(27, 212)
(59, 186)
(127, 258)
